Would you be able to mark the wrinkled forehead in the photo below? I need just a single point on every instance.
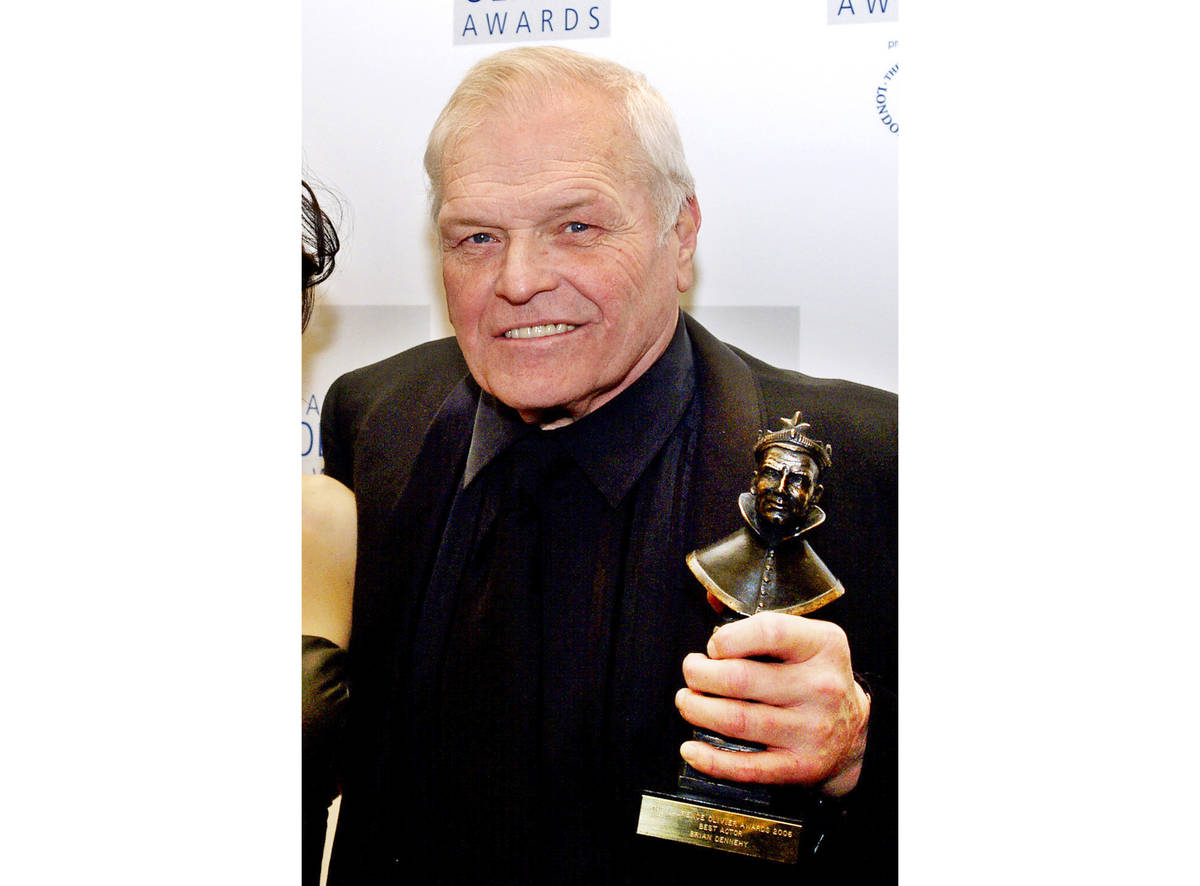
(587, 119)
(779, 459)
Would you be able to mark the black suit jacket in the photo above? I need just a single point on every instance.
(397, 432)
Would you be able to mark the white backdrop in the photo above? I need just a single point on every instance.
(789, 116)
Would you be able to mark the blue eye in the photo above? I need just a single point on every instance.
(577, 227)
(479, 238)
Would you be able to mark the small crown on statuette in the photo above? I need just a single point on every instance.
(792, 436)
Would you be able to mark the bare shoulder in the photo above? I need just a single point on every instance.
(328, 506)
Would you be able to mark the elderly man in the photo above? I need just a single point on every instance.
(527, 494)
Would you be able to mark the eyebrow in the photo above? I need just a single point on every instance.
(465, 221)
(557, 209)
(571, 205)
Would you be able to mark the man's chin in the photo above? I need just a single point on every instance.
(535, 410)
(543, 406)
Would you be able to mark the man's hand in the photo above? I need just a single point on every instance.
(805, 706)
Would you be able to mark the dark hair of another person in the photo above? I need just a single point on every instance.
(318, 246)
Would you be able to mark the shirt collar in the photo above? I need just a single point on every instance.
(612, 445)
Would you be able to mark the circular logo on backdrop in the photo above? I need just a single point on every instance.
(885, 99)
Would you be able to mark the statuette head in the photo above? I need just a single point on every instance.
(785, 483)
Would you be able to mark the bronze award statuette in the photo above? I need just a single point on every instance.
(766, 566)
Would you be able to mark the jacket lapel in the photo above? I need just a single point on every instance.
(731, 415)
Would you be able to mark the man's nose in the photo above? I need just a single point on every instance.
(783, 478)
(526, 270)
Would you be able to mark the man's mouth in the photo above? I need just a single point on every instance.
(539, 331)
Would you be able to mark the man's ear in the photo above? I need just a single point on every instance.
(816, 496)
(686, 227)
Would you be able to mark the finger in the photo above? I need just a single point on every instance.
(770, 683)
(777, 635)
(750, 721)
(772, 766)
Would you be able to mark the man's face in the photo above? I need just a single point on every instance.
(785, 486)
(558, 289)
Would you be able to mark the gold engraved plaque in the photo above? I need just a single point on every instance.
(775, 839)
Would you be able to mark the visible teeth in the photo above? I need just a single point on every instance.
(539, 331)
